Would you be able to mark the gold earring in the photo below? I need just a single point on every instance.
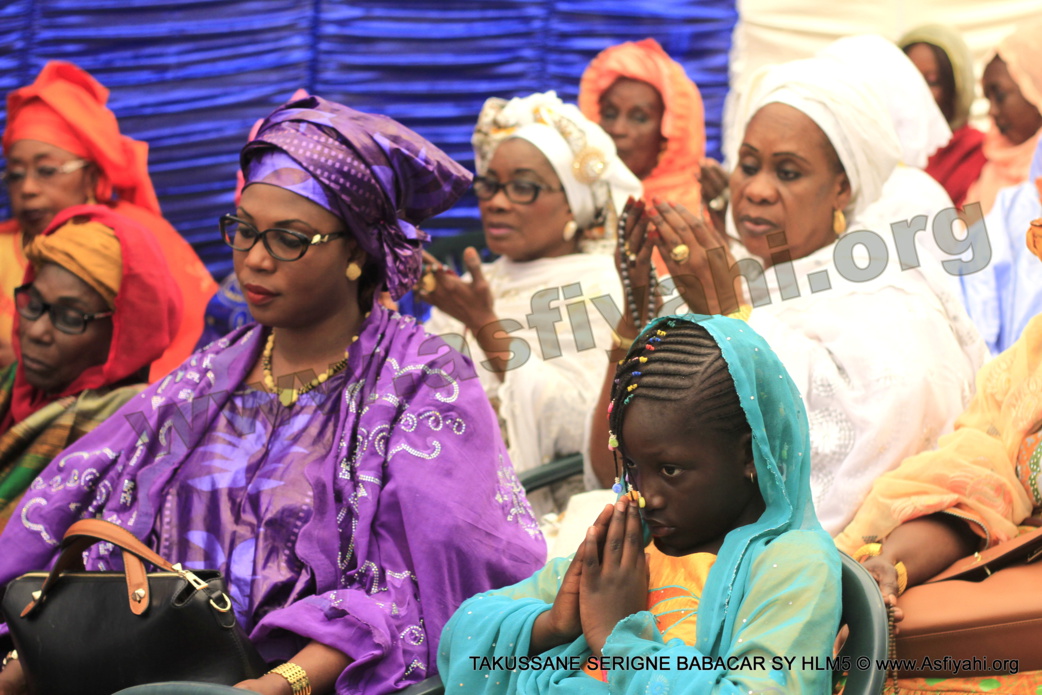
(354, 271)
(570, 229)
(752, 476)
(839, 222)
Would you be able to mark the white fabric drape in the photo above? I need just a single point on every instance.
(544, 403)
(884, 368)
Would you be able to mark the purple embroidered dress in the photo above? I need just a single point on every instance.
(362, 516)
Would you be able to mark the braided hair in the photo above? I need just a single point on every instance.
(677, 360)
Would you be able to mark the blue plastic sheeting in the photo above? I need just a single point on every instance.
(191, 77)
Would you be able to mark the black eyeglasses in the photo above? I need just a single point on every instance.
(43, 173)
(521, 192)
(64, 318)
(282, 244)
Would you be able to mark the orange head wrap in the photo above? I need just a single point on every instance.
(87, 249)
(675, 178)
(65, 107)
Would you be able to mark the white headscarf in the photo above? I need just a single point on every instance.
(850, 113)
(920, 125)
(581, 153)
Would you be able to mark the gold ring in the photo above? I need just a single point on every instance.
(680, 253)
(720, 202)
(428, 283)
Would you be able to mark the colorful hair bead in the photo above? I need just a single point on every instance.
(611, 406)
(651, 347)
(661, 334)
(613, 442)
(636, 373)
(643, 359)
(632, 387)
(617, 487)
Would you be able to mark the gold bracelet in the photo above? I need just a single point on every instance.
(872, 550)
(297, 677)
(743, 313)
(619, 343)
(902, 577)
(867, 550)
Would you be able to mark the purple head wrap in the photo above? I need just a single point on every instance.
(379, 177)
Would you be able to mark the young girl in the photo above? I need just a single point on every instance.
(740, 585)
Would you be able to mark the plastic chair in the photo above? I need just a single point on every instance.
(180, 688)
(429, 686)
(449, 250)
(553, 472)
(864, 613)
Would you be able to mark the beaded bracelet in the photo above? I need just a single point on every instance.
(627, 284)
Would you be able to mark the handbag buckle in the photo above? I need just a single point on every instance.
(199, 585)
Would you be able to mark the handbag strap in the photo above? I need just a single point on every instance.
(85, 533)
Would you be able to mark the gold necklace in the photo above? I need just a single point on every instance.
(289, 396)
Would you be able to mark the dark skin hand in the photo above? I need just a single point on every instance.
(614, 585)
(562, 624)
(927, 546)
(714, 182)
(322, 664)
(471, 303)
(708, 265)
(639, 238)
(12, 680)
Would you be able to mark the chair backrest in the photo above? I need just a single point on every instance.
(553, 472)
(429, 686)
(864, 613)
(181, 688)
(449, 249)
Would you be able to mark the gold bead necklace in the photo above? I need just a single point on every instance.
(289, 396)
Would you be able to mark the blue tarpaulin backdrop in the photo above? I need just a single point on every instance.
(191, 77)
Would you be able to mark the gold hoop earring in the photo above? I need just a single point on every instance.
(354, 271)
(839, 222)
(570, 229)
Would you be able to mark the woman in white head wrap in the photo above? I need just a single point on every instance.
(883, 363)
(920, 127)
(549, 185)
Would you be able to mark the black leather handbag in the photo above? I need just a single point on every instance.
(87, 633)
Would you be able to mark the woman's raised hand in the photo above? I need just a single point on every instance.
(614, 583)
(715, 192)
(469, 302)
(698, 259)
(633, 261)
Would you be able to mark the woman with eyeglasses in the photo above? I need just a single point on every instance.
(538, 319)
(97, 307)
(63, 148)
(327, 458)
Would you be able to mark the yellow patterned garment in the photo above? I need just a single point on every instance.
(674, 590)
(987, 471)
(978, 471)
